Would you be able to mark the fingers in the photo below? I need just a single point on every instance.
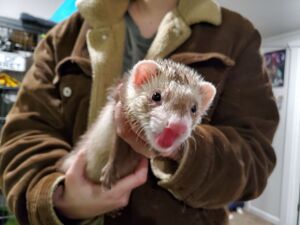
(119, 194)
(119, 88)
(77, 170)
(125, 131)
(134, 180)
(58, 194)
(123, 127)
(79, 163)
(79, 198)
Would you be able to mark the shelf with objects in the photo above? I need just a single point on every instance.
(18, 39)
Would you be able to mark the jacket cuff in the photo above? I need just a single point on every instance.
(182, 180)
(40, 203)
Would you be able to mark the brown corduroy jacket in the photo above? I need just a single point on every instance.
(230, 159)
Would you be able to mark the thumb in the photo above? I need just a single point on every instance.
(78, 167)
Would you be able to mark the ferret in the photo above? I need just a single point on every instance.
(162, 100)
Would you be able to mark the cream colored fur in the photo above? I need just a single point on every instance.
(106, 18)
(107, 37)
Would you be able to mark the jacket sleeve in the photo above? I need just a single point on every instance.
(33, 139)
(232, 157)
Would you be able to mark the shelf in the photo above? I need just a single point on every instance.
(13, 61)
(9, 88)
(18, 25)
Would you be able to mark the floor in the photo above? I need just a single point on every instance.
(245, 218)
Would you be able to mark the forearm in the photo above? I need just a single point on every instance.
(217, 168)
(28, 174)
(232, 157)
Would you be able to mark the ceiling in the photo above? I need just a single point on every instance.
(271, 17)
(40, 8)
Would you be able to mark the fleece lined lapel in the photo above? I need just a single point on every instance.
(172, 32)
(106, 57)
(175, 27)
(107, 37)
(196, 11)
(105, 44)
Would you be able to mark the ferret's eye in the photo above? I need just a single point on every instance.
(194, 109)
(156, 97)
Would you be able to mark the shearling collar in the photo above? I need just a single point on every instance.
(107, 12)
(106, 39)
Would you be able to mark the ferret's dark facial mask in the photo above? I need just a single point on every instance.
(165, 102)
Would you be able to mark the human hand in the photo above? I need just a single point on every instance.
(125, 131)
(79, 198)
(136, 142)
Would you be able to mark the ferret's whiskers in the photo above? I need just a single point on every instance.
(179, 88)
(139, 133)
(194, 142)
(185, 144)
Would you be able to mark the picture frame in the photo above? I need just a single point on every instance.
(275, 66)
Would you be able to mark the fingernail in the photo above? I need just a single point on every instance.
(119, 87)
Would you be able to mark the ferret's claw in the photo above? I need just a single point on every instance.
(106, 186)
(108, 177)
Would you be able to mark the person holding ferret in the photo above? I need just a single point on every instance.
(226, 155)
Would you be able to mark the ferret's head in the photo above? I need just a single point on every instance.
(165, 101)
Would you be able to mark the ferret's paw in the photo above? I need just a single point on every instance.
(108, 177)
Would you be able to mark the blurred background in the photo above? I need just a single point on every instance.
(24, 23)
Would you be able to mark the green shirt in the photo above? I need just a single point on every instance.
(136, 46)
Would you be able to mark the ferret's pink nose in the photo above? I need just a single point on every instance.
(169, 135)
(178, 128)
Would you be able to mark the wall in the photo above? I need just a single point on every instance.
(38, 8)
(279, 202)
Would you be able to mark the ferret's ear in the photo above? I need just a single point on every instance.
(143, 71)
(207, 92)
